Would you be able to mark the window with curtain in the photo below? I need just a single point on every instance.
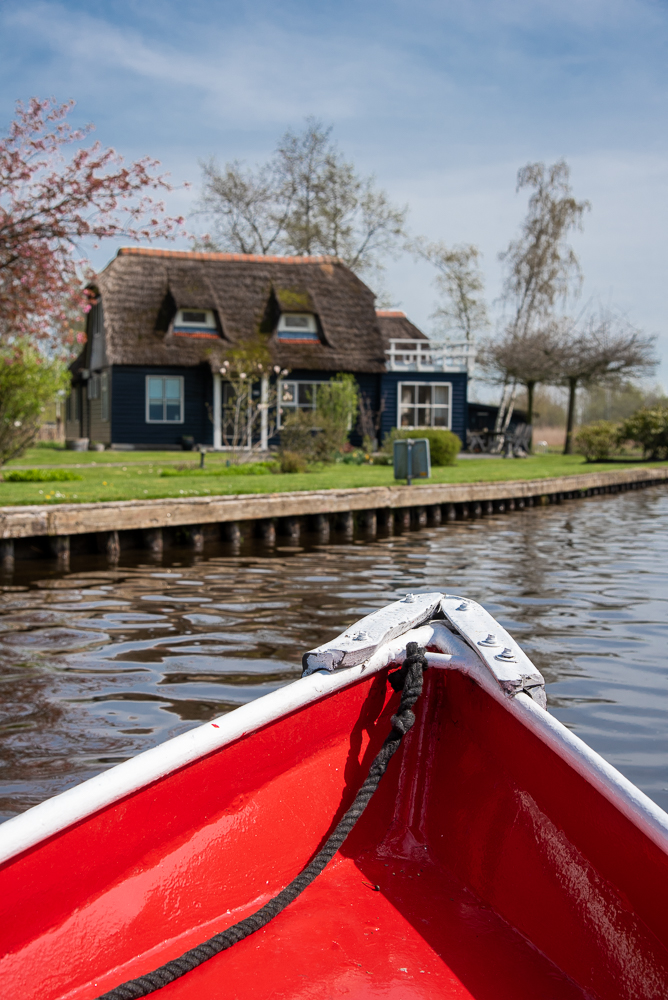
(424, 404)
(293, 395)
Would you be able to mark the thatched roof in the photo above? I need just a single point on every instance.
(395, 325)
(141, 289)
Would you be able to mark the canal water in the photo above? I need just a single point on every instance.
(98, 664)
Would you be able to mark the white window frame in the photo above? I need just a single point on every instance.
(147, 400)
(419, 427)
(283, 331)
(290, 408)
(208, 324)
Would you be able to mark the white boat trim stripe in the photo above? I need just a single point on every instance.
(62, 811)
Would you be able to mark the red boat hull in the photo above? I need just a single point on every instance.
(486, 866)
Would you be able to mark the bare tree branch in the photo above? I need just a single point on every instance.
(527, 359)
(460, 282)
(605, 347)
(306, 200)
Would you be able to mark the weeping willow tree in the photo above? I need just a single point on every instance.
(542, 271)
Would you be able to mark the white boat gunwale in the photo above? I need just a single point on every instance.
(515, 685)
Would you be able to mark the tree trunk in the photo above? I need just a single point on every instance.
(511, 406)
(530, 388)
(572, 388)
(502, 409)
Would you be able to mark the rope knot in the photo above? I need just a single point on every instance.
(403, 722)
(415, 659)
(408, 680)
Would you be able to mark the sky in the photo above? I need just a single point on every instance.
(441, 101)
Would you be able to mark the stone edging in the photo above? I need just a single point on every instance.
(124, 515)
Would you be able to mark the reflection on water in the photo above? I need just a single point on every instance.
(98, 664)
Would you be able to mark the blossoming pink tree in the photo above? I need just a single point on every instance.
(56, 196)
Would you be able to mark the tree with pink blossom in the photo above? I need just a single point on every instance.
(56, 197)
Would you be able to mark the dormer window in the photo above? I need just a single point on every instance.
(298, 328)
(198, 323)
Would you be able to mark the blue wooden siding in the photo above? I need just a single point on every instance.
(458, 380)
(128, 406)
(128, 402)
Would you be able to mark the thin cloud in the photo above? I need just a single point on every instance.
(252, 76)
(442, 100)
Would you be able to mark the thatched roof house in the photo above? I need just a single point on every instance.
(144, 289)
(163, 321)
(395, 325)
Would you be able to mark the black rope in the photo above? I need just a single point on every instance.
(408, 680)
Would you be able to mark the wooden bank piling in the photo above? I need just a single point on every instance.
(63, 530)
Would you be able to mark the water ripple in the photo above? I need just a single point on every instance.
(97, 665)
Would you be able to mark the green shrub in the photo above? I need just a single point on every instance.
(444, 446)
(29, 382)
(355, 457)
(291, 461)
(298, 434)
(598, 441)
(648, 427)
(246, 469)
(309, 434)
(336, 409)
(321, 435)
(40, 476)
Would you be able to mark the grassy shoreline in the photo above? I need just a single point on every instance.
(141, 479)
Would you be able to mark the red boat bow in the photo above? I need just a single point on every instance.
(500, 857)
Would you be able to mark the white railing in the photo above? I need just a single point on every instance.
(430, 356)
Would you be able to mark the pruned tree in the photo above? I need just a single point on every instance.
(605, 347)
(460, 282)
(307, 199)
(542, 269)
(52, 198)
(526, 359)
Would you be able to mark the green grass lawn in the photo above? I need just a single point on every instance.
(43, 455)
(139, 479)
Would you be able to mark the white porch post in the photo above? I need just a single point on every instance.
(264, 413)
(217, 411)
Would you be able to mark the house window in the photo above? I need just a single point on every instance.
(424, 404)
(94, 387)
(72, 409)
(298, 328)
(164, 399)
(197, 323)
(104, 396)
(293, 396)
(96, 333)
